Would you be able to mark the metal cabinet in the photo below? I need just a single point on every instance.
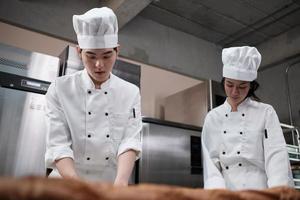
(171, 154)
(24, 79)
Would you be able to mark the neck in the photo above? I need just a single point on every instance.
(97, 83)
(233, 105)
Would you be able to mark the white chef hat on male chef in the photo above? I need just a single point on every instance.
(96, 29)
(241, 63)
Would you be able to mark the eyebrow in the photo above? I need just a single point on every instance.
(105, 53)
(90, 52)
(239, 84)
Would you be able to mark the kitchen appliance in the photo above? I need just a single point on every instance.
(24, 79)
(171, 154)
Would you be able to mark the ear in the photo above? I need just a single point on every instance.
(79, 50)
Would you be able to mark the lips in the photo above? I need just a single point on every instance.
(100, 73)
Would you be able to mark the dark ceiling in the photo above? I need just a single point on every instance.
(227, 22)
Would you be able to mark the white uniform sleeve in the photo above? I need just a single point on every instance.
(211, 165)
(58, 144)
(277, 163)
(132, 136)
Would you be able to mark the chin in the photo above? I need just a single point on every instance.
(236, 101)
(101, 76)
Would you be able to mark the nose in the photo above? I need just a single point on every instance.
(235, 90)
(99, 63)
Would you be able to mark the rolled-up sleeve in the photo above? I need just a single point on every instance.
(132, 136)
(58, 140)
(277, 163)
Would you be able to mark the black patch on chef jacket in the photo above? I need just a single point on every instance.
(266, 134)
(133, 112)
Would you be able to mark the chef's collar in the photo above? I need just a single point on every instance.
(240, 107)
(88, 84)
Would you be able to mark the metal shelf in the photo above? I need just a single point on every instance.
(295, 161)
(297, 183)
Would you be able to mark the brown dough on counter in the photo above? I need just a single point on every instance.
(39, 188)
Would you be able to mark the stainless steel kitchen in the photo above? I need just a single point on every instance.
(198, 95)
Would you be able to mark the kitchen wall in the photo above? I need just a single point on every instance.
(273, 90)
(158, 85)
(189, 106)
(30, 40)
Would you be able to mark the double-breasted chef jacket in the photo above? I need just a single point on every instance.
(244, 149)
(92, 126)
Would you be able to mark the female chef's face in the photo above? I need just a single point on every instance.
(99, 63)
(236, 90)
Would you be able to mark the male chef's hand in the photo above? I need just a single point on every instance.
(125, 165)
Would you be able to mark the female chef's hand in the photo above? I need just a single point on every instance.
(66, 168)
(121, 183)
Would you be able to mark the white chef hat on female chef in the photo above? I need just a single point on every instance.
(241, 63)
(96, 29)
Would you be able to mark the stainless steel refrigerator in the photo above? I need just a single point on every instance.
(171, 154)
(24, 79)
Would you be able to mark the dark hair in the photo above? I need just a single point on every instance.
(254, 85)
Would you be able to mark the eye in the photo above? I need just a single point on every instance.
(107, 56)
(228, 85)
(243, 87)
(90, 56)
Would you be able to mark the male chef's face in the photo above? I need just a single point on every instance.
(99, 62)
(236, 90)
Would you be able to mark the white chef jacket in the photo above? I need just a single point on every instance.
(92, 126)
(244, 149)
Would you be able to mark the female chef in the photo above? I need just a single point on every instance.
(94, 117)
(242, 141)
